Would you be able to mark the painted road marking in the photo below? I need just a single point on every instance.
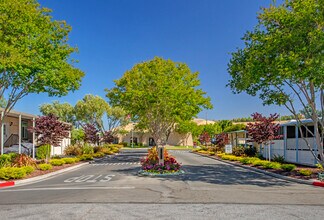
(115, 164)
(89, 179)
(70, 188)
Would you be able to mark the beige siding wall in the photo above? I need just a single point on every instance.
(175, 139)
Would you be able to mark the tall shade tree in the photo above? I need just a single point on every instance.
(64, 111)
(90, 110)
(283, 62)
(159, 93)
(34, 53)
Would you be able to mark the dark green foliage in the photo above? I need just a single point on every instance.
(236, 127)
(278, 158)
(250, 151)
(6, 159)
(87, 149)
(43, 152)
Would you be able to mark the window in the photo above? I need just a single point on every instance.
(24, 130)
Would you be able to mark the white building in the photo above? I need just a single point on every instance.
(16, 137)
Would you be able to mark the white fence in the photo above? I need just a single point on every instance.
(304, 155)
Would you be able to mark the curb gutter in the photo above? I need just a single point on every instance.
(307, 182)
(39, 178)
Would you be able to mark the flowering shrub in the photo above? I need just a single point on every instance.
(150, 163)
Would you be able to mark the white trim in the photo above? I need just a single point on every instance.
(19, 134)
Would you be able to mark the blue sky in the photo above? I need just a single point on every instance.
(114, 35)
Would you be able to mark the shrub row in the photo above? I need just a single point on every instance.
(78, 150)
(258, 162)
(7, 173)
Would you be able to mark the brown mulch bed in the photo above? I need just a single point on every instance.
(293, 174)
(55, 168)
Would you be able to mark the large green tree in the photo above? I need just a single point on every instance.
(94, 109)
(64, 111)
(34, 53)
(283, 61)
(91, 110)
(159, 93)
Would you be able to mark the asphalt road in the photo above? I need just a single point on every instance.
(111, 189)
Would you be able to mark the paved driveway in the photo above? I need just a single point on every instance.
(114, 180)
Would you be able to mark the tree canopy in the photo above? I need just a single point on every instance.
(283, 61)
(90, 110)
(159, 93)
(64, 111)
(34, 53)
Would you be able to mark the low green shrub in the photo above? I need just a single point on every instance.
(259, 162)
(69, 160)
(272, 165)
(288, 167)
(231, 157)
(87, 149)
(204, 148)
(278, 158)
(305, 172)
(86, 157)
(8, 173)
(238, 151)
(124, 144)
(203, 151)
(28, 169)
(43, 152)
(319, 166)
(98, 155)
(57, 162)
(45, 166)
(248, 160)
(6, 159)
(211, 153)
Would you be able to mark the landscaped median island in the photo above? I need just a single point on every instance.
(15, 166)
(152, 167)
(276, 166)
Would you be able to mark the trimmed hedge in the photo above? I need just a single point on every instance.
(45, 166)
(86, 157)
(57, 162)
(288, 167)
(69, 160)
(8, 173)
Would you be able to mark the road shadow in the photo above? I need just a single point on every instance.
(218, 174)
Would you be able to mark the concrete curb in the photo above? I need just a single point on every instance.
(41, 177)
(307, 182)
